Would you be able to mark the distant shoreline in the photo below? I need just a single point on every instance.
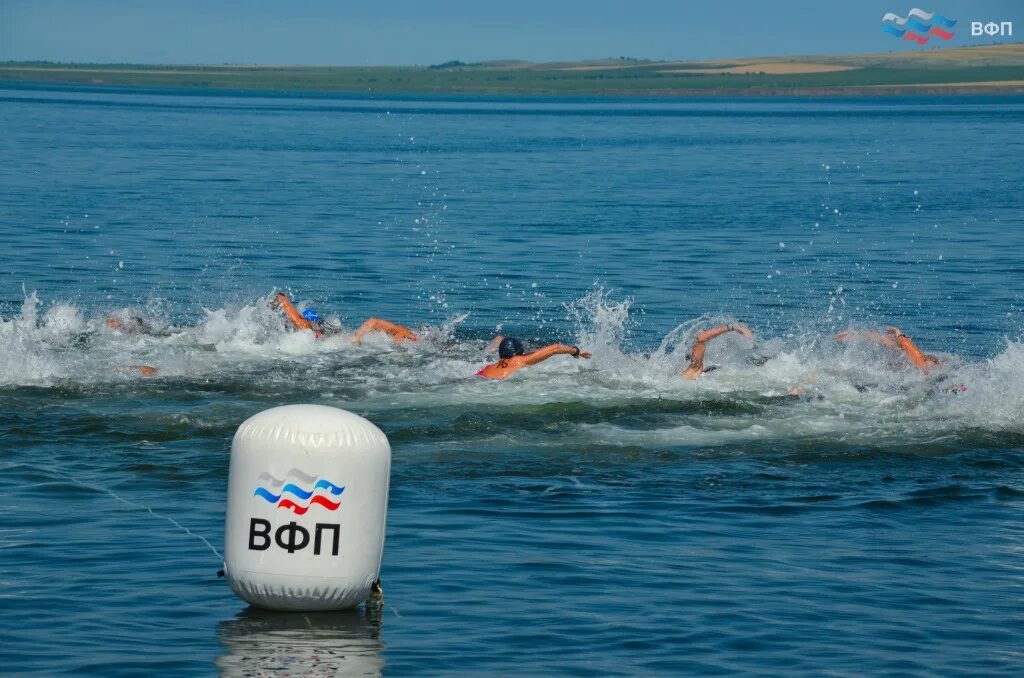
(991, 69)
(765, 93)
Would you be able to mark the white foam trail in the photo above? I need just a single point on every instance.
(850, 391)
(25, 360)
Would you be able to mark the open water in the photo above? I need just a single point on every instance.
(593, 517)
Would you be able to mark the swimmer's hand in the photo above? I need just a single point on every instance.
(894, 332)
(577, 353)
(279, 299)
(742, 329)
(844, 336)
(493, 346)
(403, 333)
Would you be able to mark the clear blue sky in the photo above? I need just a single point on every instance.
(392, 32)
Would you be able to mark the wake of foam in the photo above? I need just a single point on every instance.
(857, 389)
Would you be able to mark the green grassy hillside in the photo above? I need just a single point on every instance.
(988, 68)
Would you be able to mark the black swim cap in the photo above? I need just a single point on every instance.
(510, 347)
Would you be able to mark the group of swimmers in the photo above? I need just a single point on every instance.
(512, 354)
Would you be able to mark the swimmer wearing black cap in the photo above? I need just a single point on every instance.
(696, 354)
(310, 320)
(512, 357)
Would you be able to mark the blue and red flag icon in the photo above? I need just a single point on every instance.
(918, 26)
(321, 493)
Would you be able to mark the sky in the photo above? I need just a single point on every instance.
(407, 32)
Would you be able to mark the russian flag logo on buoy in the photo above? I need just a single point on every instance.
(321, 492)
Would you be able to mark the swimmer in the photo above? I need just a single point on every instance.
(512, 357)
(696, 355)
(311, 320)
(133, 324)
(141, 370)
(895, 339)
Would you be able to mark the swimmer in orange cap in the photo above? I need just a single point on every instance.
(310, 320)
(895, 339)
(512, 357)
(696, 354)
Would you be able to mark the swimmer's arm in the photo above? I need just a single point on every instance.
(293, 313)
(915, 354)
(870, 336)
(542, 354)
(708, 335)
(397, 332)
(696, 366)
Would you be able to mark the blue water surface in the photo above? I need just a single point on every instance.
(598, 517)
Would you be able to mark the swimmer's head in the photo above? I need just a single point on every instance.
(131, 323)
(510, 347)
(311, 315)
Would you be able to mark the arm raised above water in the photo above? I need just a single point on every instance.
(294, 317)
(843, 337)
(395, 331)
(916, 355)
(542, 354)
(696, 366)
(708, 335)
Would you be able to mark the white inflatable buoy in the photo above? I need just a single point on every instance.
(307, 501)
